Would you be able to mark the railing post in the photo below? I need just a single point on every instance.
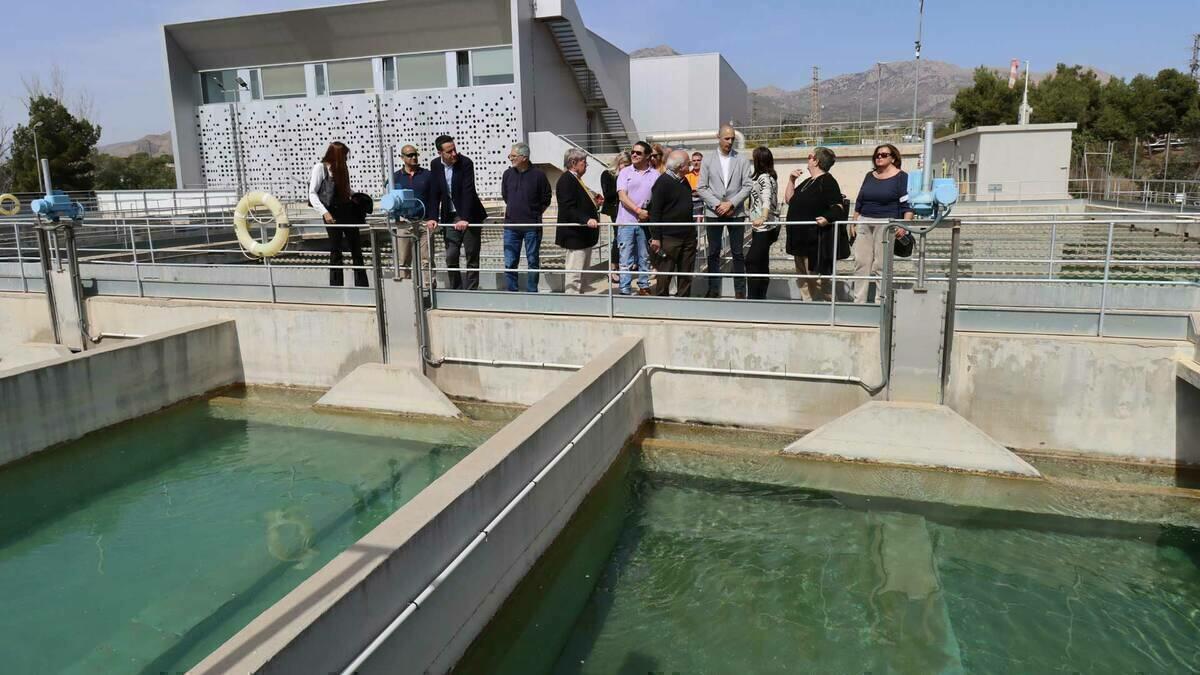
(137, 270)
(608, 276)
(20, 258)
(1053, 243)
(833, 283)
(43, 241)
(951, 309)
(1104, 284)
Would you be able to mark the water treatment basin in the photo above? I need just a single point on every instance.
(144, 546)
(706, 552)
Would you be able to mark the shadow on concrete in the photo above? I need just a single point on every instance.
(1187, 435)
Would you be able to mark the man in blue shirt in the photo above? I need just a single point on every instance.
(413, 176)
(526, 193)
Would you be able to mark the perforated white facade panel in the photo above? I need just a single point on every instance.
(272, 145)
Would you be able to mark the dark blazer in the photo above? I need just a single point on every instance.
(608, 186)
(462, 193)
(574, 206)
(821, 197)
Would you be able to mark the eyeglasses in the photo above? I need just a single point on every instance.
(412, 155)
(883, 155)
(636, 152)
(656, 154)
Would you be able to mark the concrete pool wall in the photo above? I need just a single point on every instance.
(62, 399)
(328, 620)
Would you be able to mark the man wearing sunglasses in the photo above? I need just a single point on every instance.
(724, 187)
(413, 176)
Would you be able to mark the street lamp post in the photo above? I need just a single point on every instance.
(37, 156)
(917, 64)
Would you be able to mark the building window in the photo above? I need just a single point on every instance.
(415, 71)
(283, 82)
(255, 86)
(491, 66)
(350, 77)
(464, 69)
(319, 78)
(219, 86)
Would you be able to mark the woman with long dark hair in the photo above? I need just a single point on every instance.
(329, 193)
(764, 221)
(884, 194)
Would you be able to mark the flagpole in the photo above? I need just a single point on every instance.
(917, 65)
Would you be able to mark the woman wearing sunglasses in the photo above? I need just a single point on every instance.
(884, 194)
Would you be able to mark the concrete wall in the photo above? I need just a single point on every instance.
(26, 318)
(676, 93)
(555, 102)
(1091, 395)
(99, 388)
(711, 399)
(734, 95)
(326, 621)
(280, 344)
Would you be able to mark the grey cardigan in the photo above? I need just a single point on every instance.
(713, 190)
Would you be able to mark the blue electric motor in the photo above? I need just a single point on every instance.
(934, 204)
(403, 205)
(57, 204)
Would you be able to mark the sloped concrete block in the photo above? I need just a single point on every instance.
(32, 352)
(916, 434)
(389, 388)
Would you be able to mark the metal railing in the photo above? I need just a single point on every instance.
(1085, 267)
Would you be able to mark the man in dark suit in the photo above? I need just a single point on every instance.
(460, 207)
(578, 229)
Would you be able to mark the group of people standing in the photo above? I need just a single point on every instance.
(655, 197)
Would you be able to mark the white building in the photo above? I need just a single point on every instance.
(1007, 162)
(256, 99)
(713, 92)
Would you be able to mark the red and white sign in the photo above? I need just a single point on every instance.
(1013, 69)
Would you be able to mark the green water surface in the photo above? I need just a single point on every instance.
(672, 573)
(144, 547)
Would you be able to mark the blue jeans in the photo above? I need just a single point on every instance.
(513, 238)
(634, 249)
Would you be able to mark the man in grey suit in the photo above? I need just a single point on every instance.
(725, 178)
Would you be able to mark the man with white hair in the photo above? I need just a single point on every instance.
(673, 246)
(578, 220)
(526, 194)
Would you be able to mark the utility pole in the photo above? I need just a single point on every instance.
(814, 112)
(1195, 64)
(917, 64)
(878, 90)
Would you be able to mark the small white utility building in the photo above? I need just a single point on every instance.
(686, 93)
(1018, 162)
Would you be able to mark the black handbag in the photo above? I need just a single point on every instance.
(904, 245)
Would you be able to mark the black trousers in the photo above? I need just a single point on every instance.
(758, 261)
(343, 239)
(678, 255)
(468, 243)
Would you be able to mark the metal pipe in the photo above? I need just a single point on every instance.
(951, 309)
(43, 240)
(76, 285)
(380, 310)
(46, 176)
(20, 258)
(1104, 284)
(927, 173)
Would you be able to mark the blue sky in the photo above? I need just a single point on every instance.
(113, 49)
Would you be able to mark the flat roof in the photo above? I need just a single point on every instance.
(1008, 128)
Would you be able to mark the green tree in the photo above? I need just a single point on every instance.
(64, 139)
(987, 101)
(1071, 94)
(139, 171)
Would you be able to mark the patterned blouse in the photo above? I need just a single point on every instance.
(764, 201)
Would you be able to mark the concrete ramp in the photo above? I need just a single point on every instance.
(916, 434)
(28, 353)
(382, 387)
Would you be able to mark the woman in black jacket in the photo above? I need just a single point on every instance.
(579, 221)
(608, 186)
(817, 198)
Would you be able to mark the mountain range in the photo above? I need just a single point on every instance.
(151, 144)
(851, 96)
